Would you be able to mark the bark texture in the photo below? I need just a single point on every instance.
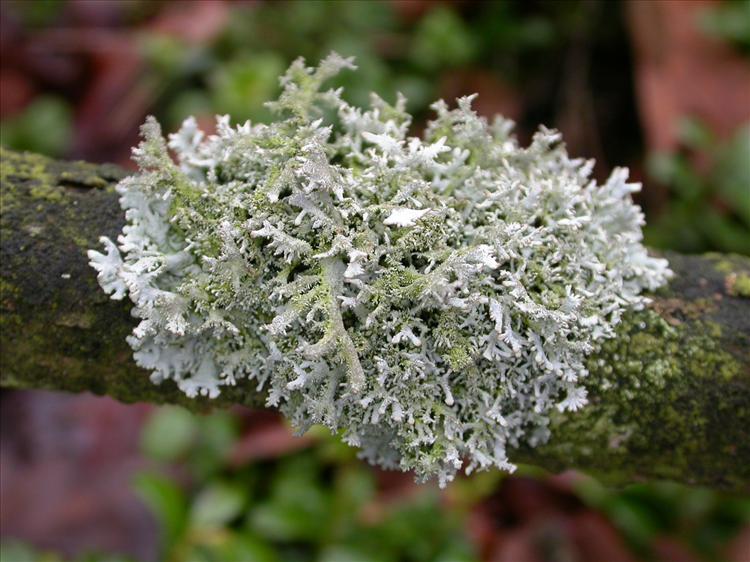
(669, 397)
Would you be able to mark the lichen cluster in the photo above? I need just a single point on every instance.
(431, 298)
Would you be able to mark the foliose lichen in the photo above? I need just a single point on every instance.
(433, 299)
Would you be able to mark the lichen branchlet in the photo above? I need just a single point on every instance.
(431, 298)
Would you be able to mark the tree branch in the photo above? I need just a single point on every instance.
(669, 397)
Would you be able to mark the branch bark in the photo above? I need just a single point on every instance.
(669, 397)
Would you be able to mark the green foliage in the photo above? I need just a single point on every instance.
(44, 126)
(708, 210)
(321, 504)
(36, 13)
(217, 505)
(18, 552)
(169, 434)
(317, 504)
(442, 39)
(168, 503)
(699, 518)
(244, 83)
(237, 71)
(729, 21)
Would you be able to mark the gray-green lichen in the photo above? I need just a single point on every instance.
(62, 334)
(435, 298)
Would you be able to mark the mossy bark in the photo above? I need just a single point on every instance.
(669, 397)
(58, 329)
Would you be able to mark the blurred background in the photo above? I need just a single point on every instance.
(662, 87)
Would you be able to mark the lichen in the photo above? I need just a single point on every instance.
(434, 298)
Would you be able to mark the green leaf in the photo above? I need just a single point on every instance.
(188, 102)
(216, 435)
(457, 551)
(340, 553)
(199, 555)
(285, 522)
(633, 519)
(442, 39)
(165, 54)
(725, 234)
(40, 13)
(695, 134)
(241, 86)
(299, 507)
(246, 547)
(733, 174)
(44, 126)
(729, 20)
(355, 486)
(217, 505)
(676, 172)
(168, 503)
(169, 433)
(662, 166)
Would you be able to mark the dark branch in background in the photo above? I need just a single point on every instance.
(669, 397)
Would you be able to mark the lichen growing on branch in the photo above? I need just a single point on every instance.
(433, 299)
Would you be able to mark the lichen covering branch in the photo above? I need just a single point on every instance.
(434, 299)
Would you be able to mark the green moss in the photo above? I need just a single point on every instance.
(58, 330)
(7, 289)
(85, 178)
(724, 266)
(741, 285)
(729, 263)
(95, 360)
(668, 399)
(10, 320)
(461, 356)
(30, 169)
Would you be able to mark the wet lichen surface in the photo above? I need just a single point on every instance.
(669, 397)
